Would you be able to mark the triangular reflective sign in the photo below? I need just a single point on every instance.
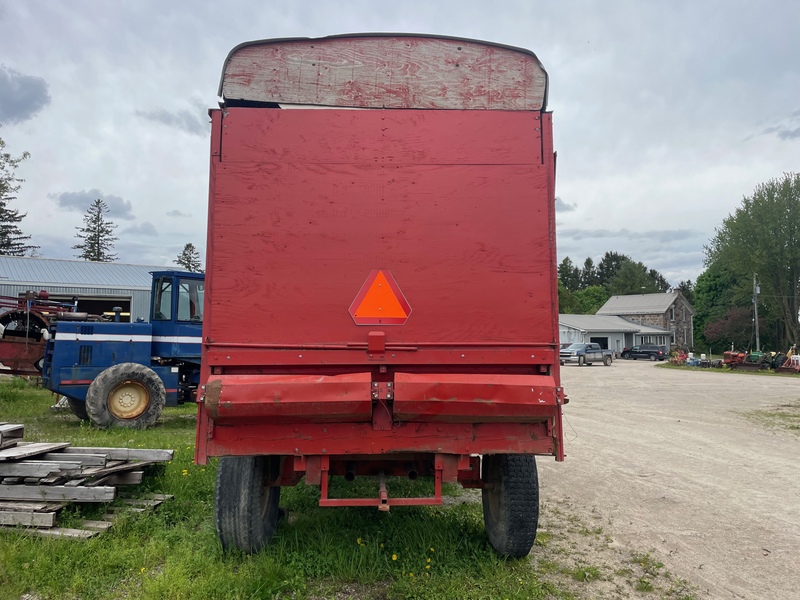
(380, 301)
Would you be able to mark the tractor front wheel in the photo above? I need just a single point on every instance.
(246, 510)
(511, 502)
(126, 395)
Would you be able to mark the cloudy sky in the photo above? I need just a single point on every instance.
(665, 113)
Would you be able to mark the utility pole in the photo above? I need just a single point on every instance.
(755, 311)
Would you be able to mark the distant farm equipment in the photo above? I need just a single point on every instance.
(24, 325)
(757, 361)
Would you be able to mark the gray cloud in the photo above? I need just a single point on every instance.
(656, 235)
(562, 206)
(788, 134)
(21, 96)
(177, 213)
(80, 201)
(185, 120)
(145, 228)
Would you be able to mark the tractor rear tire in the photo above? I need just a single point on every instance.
(246, 510)
(126, 395)
(78, 408)
(511, 502)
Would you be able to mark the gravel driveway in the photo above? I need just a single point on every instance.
(671, 461)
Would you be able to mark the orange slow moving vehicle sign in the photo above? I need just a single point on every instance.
(380, 301)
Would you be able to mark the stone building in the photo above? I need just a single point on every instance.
(668, 311)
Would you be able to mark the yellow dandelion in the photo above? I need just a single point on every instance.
(427, 566)
(411, 574)
(429, 559)
(432, 550)
(394, 556)
(142, 570)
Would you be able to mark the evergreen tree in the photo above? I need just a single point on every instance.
(569, 275)
(97, 235)
(189, 259)
(12, 241)
(588, 273)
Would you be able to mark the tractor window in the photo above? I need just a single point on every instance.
(162, 302)
(190, 300)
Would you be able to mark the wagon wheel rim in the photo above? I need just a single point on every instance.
(128, 400)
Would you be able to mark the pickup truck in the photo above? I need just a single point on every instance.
(585, 354)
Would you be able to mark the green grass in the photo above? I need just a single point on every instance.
(173, 552)
(785, 417)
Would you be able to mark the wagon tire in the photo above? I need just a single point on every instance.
(126, 395)
(78, 408)
(607, 360)
(246, 511)
(511, 502)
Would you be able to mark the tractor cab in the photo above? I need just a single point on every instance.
(176, 313)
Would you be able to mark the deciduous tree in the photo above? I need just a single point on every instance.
(763, 236)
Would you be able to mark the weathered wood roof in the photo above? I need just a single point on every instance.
(385, 71)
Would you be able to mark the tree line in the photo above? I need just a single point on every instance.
(583, 290)
(95, 237)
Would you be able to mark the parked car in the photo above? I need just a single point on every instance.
(645, 351)
(585, 354)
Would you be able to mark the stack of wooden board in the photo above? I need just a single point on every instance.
(39, 478)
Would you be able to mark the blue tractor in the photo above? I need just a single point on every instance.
(123, 374)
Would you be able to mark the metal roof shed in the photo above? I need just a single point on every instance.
(85, 280)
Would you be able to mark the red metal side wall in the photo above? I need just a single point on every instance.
(457, 205)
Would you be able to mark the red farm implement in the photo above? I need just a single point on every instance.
(398, 247)
(24, 323)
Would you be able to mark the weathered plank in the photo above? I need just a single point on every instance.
(57, 492)
(25, 450)
(37, 468)
(27, 518)
(397, 71)
(87, 460)
(127, 478)
(121, 468)
(125, 453)
(10, 434)
(96, 525)
(63, 532)
(32, 506)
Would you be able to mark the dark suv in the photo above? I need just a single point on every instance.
(645, 351)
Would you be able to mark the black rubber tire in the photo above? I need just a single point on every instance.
(653, 358)
(78, 408)
(138, 377)
(511, 502)
(246, 510)
(607, 360)
(626, 356)
(581, 361)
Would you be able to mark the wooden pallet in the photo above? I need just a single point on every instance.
(37, 479)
